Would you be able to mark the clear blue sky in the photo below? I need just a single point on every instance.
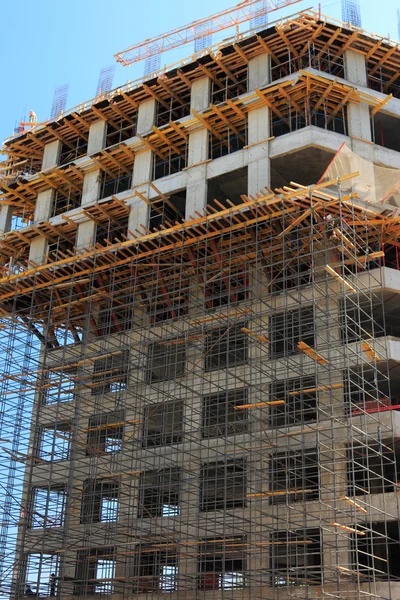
(45, 43)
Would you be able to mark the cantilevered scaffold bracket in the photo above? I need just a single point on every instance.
(240, 13)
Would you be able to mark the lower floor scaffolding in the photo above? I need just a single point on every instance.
(209, 409)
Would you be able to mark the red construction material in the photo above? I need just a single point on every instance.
(375, 409)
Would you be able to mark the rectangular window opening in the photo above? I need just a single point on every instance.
(166, 361)
(110, 374)
(157, 570)
(159, 494)
(220, 418)
(289, 328)
(163, 424)
(105, 433)
(223, 485)
(53, 442)
(300, 396)
(294, 477)
(100, 501)
(296, 558)
(226, 348)
(222, 563)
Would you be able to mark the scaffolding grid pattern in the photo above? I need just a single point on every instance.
(235, 444)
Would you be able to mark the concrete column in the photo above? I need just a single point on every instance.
(259, 72)
(44, 203)
(259, 170)
(51, 155)
(142, 168)
(91, 181)
(38, 250)
(200, 94)
(5, 218)
(146, 116)
(355, 68)
(86, 234)
(91, 187)
(359, 123)
(196, 193)
(97, 134)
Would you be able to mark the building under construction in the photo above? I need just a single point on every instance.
(200, 341)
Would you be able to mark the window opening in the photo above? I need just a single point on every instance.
(219, 415)
(163, 424)
(223, 485)
(160, 493)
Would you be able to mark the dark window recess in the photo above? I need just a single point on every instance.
(163, 424)
(360, 322)
(367, 391)
(172, 163)
(385, 129)
(159, 494)
(53, 442)
(223, 485)
(94, 570)
(294, 477)
(124, 130)
(100, 501)
(156, 570)
(166, 361)
(219, 415)
(226, 348)
(114, 185)
(227, 289)
(222, 564)
(376, 556)
(166, 211)
(105, 433)
(112, 232)
(227, 140)
(224, 87)
(60, 385)
(73, 150)
(38, 569)
(296, 557)
(289, 328)
(110, 374)
(61, 248)
(230, 186)
(47, 506)
(372, 469)
(300, 398)
(65, 199)
(172, 110)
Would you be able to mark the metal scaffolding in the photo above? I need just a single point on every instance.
(204, 404)
(210, 408)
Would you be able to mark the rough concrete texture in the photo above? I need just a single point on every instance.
(259, 72)
(51, 155)
(44, 204)
(38, 249)
(91, 187)
(200, 94)
(97, 134)
(146, 116)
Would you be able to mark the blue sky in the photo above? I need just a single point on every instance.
(45, 43)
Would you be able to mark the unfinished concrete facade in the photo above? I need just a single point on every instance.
(207, 370)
